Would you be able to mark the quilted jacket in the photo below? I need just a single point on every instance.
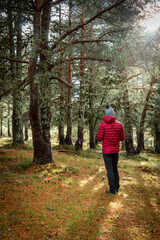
(111, 132)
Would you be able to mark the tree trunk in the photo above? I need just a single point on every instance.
(128, 124)
(68, 139)
(96, 140)
(8, 120)
(1, 119)
(26, 134)
(62, 109)
(79, 142)
(137, 132)
(45, 79)
(17, 128)
(42, 151)
(157, 122)
(157, 136)
(143, 116)
(1, 131)
(92, 142)
(9, 131)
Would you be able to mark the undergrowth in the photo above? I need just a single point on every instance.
(22, 166)
(73, 204)
(27, 146)
(70, 149)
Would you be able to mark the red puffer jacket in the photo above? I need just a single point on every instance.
(111, 132)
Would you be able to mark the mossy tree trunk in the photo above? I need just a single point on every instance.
(41, 139)
(45, 78)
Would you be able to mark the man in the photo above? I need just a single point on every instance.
(111, 132)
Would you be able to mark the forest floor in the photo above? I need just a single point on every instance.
(73, 204)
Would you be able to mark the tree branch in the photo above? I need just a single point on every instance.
(14, 60)
(91, 58)
(62, 81)
(115, 31)
(90, 41)
(23, 84)
(133, 76)
(85, 23)
(59, 61)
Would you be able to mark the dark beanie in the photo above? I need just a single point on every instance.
(109, 111)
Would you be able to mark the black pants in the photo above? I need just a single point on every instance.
(111, 161)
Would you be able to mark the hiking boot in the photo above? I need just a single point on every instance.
(113, 193)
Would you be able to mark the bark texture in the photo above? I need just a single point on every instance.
(42, 149)
(45, 78)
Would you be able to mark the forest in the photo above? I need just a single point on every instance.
(62, 61)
